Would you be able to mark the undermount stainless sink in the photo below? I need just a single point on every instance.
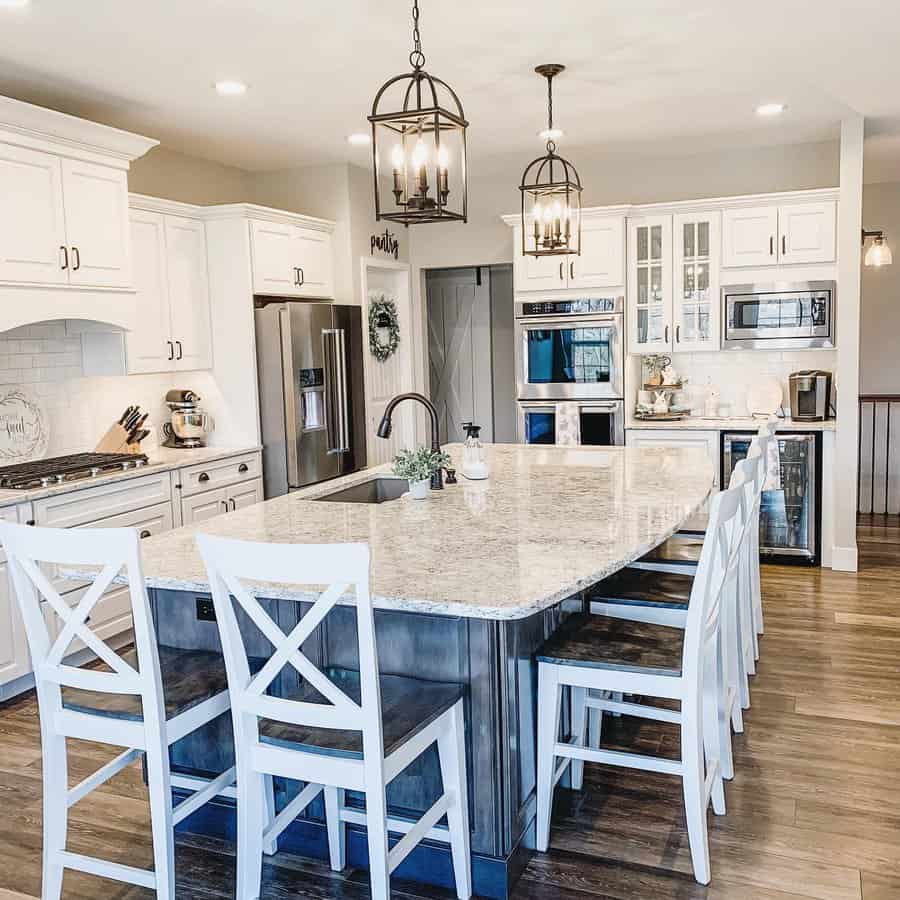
(375, 490)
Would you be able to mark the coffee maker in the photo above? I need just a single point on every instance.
(810, 393)
(189, 425)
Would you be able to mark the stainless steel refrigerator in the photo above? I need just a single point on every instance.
(790, 519)
(309, 357)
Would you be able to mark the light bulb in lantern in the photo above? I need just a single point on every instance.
(419, 158)
(557, 220)
(397, 163)
(538, 214)
(443, 165)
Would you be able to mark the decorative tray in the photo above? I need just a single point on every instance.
(661, 417)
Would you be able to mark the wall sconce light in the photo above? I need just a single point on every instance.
(878, 254)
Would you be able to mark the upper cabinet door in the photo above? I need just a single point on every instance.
(602, 260)
(96, 205)
(150, 347)
(32, 223)
(750, 236)
(275, 267)
(538, 273)
(189, 293)
(696, 291)
(312, 256)
(650, 284)
(807, 232)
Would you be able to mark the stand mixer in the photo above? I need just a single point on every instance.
(189, 425)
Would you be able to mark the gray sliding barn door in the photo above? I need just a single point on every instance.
(459, 350)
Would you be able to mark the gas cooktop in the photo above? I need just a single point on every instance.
(62, 469)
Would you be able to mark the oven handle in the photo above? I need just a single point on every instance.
(565, 321)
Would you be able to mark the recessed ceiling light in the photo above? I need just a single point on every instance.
(770, 109)
(550, 134)
(359, 139)
(229, 88)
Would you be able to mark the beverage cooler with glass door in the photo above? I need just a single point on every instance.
(790, 519)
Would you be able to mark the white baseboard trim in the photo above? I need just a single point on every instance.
(844, 559)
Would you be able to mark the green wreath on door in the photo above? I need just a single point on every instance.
(384, 327)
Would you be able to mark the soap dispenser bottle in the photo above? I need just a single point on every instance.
(475, 466)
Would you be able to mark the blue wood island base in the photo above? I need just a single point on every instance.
(494, 659)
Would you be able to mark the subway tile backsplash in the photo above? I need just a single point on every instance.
(733, 372)
(46, 359)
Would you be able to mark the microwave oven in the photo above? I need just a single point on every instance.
(781, 316)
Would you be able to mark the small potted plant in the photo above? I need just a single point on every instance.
(417, 466)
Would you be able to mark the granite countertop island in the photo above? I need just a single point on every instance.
(468, 584)
(546, 524)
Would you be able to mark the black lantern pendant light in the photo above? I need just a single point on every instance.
(422, 136)
(551, 194)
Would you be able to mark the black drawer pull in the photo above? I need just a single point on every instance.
(243, 467)
(203, 477)
(146, 533)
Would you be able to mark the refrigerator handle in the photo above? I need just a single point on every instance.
(336, 407)
(290, 397)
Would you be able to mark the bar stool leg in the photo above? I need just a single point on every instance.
(56, 809)
(271, 848)
(251, 822)
(337, 851)
(377, 834)
(159, 789)
(548, 726)
(452, 755)
(693, 781)
(579, 712)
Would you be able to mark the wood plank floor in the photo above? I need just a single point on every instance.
(813, 812)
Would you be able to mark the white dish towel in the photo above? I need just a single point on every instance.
(568, 424)
(773, 466)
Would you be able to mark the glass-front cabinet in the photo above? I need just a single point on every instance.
(650, 326)
(695, 301)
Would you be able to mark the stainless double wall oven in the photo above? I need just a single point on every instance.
(571, 351)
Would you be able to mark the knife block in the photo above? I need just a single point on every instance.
(116, 441)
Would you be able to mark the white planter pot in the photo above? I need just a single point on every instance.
(418, 490)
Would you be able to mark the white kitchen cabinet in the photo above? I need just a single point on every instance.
(750, 236)
(601, 263)
(695, 300)
(149, 345)
(602, 259)
(95, 199)
(792, 233)
(291, 261)
(32, 222)
(172, 330)
(807, 232)
(245, 494)
(650, 326)
(188, 293)
(680, 438)
(14, 657)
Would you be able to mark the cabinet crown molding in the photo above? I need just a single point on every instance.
(780, 198)
(46, 129)
(265, 214)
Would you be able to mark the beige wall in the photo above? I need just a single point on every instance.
(879, 366)
(175, 176)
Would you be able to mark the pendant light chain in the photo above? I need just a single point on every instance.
(551, 144)
(417, 57)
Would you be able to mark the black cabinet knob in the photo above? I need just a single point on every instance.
(243, 467)
(146, 533)
(203, 477)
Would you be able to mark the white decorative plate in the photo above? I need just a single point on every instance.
(764, 396)
(24, 433)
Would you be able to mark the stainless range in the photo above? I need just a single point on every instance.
(64, 469)
(571, 351)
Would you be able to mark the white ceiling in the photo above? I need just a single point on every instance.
(682, 76)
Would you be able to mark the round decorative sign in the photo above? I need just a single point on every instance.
(384, 329)
(23, 427)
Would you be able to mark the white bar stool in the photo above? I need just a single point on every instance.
(138, 704)
(331, 733)
(602, 654)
